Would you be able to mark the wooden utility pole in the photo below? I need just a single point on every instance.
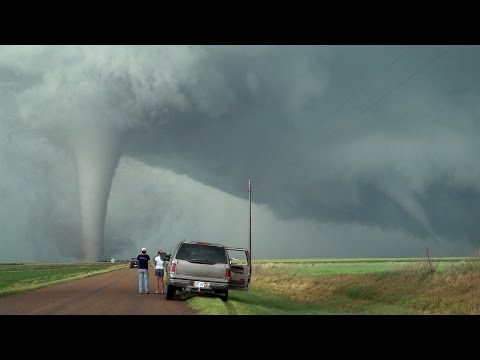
(250, 220)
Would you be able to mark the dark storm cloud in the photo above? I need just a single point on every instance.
(383, 137)
(312, 156)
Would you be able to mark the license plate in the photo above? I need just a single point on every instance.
(199, 284)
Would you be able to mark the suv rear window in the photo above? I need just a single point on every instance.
(202, 253)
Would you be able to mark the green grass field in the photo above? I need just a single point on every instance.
(15, 278)
(348, 267)
(360, 260)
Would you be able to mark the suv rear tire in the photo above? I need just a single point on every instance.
(170, 292)
(224, 297)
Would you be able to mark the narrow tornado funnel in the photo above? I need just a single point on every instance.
(96, 151)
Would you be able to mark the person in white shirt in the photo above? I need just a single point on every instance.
(159, 271)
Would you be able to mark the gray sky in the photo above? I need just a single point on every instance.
(353, 150)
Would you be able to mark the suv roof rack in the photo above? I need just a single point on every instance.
(202, 243)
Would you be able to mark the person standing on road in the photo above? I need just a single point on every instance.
(143, 260)
(159, 271)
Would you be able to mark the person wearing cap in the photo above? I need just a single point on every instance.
(143, 260)
(159, 271)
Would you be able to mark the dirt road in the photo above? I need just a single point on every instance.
(113, 293)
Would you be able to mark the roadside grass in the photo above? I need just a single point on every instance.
(451, 289)
(254, 302)
(17, 278)
(344, 288)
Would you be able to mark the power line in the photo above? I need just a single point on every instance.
(379, 76)
(376, 102)
(403, 82)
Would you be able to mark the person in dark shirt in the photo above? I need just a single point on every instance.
(143, 260)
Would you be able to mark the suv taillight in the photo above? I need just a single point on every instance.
(173, 267)
(227, 274)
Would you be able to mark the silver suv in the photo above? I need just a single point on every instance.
(206, 268)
